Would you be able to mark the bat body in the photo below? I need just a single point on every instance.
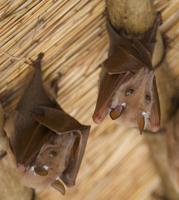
(47, 143)
(127, 90)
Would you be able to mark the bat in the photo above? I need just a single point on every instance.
(127, 89)
(48, 144)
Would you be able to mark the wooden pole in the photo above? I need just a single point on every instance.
(136, 17)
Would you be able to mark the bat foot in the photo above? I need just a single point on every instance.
(40, 56)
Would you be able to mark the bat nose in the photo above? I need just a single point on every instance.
(42, 170)
(117, 111)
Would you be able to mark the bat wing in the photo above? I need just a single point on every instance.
(155, 110)
(140, 48)
(149, 38)
(57, 120)
(121, 61)
(24, 146)
(127, 52)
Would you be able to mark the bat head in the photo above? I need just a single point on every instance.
(135, 102)
(50, 163)
(51, 154)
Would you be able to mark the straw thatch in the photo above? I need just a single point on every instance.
(72, 35)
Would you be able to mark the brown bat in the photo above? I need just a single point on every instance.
(47, 143)
(127, 90)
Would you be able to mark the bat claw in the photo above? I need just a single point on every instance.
(40, 56)
(37, 62)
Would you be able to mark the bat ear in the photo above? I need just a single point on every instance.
(58, 185)
(155, 110)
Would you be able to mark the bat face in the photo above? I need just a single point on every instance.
(132, 103)
(47, 143)
(50, 163)
(53, 153)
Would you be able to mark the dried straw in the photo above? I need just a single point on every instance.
(72, 35)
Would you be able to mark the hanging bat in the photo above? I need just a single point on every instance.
(127, 90)
(47, 143)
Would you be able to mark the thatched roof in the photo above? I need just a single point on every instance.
(72, 35)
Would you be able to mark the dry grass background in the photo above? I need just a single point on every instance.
(72, 35)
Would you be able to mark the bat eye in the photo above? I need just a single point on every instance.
(148, 98)
(129, 92)
(52, 154)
